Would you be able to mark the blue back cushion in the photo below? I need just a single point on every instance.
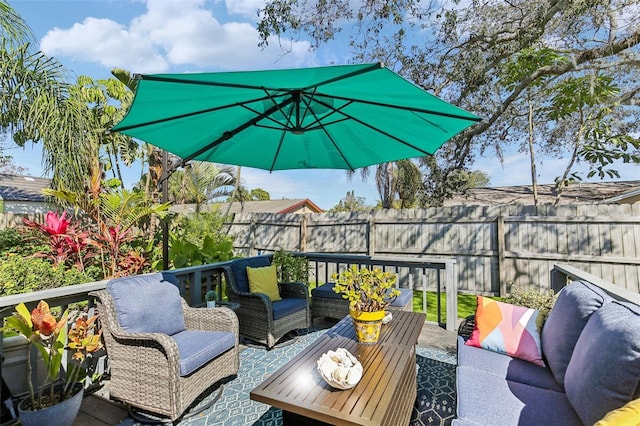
(148, 303)
(573, 308)
(604, 372)
(239, 270)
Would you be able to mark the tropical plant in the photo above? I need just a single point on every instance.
(195, 227)
(117, 214)
(67, 243)
(368, 290)
(36, 103)
(49, 335)
(201, 182)
(291, 268)
(185, 253)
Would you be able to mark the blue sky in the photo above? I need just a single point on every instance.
(171, 36)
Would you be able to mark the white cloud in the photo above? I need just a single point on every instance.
(105, 42)
(174, 34)
(248, 8)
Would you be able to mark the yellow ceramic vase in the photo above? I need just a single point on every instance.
(367, 325)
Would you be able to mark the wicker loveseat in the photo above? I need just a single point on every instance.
(262, 320)
(163, 354)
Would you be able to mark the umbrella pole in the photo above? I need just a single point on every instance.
(164, 181)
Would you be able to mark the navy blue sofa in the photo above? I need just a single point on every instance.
(591, 347)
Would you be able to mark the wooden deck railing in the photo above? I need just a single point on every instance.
(195, 281)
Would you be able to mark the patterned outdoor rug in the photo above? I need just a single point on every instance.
(435, 403)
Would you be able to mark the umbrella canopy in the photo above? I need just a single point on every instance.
(337, 117)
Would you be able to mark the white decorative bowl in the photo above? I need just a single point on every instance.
(340, 369)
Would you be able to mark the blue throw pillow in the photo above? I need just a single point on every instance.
(147, 304)
(239, 270)
(604, 371)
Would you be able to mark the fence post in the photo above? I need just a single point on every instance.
(371, 249)
(502, 275)
(252, 236)
(302, 247)
(451, 291)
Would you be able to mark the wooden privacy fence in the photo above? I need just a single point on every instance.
(496, 247)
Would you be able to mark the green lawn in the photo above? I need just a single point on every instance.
(466, 305)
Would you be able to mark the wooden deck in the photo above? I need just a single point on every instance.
(98, 410)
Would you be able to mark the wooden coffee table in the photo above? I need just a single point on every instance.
(384, 396)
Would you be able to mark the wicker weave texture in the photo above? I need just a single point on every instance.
(255, 313)
(145, 371)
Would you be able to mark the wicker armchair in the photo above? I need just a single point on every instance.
(260, 319)
(466, 327)
(162, 353)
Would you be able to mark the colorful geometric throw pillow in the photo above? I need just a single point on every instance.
(508, 329)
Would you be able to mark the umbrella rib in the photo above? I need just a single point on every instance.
(333, 142)
(326, 132)
(190, 114)
(421, 110)
(231, 133)
(375, 129)
(275, 157)
(372, 67)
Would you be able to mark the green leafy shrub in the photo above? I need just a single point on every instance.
(20, 242)
(196, 227)
(291, 268)
(542, 301)
(186, 253)
(25, 274)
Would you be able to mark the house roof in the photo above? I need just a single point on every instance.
(582, 192)
(268, 206)
(22, 188)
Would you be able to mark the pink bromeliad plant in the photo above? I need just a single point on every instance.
(67, 243)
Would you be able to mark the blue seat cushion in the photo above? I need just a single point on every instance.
(288, 306)
(239, 270)
(487, 399)
(149, 303)
(326, 291)
(506, 367)
(196, 348)
(574, 306)
(604, 371)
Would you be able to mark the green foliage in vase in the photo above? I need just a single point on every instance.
(291, 268)
(368, 290)
(211, 296)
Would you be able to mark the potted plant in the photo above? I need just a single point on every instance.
(369, 293)
(211, 296)
(291, 268)
(57, 401)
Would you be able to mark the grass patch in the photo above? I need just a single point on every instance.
(466, 305)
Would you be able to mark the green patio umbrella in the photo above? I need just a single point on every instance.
(335, 117)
